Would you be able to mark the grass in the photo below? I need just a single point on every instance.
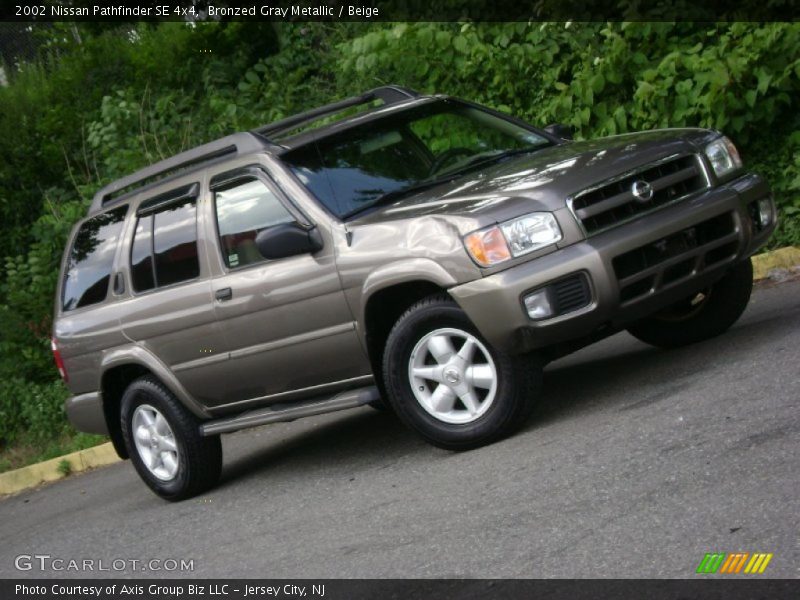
(64, 467)
(25, 451)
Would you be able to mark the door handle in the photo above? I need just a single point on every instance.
(224, 294)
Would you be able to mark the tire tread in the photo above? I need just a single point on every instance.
(522, 376)
(728, 300)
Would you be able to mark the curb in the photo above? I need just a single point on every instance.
(33, 475)
(782, 258)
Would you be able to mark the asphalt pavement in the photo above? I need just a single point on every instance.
(638, 462)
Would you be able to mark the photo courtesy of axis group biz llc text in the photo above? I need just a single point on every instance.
(167, 589)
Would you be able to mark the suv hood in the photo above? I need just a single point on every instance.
(540, 181)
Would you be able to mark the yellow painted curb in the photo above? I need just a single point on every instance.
(782, 258)
(33, 475)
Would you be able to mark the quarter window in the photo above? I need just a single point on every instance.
(164, 248)
(142, 271)
(242, 212)
(88, 270)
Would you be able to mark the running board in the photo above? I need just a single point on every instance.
(278, 413)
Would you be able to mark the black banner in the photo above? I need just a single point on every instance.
(735, 588)
(400, 10)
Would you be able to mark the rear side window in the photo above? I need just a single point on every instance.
(164, 248)
(142, 271)
(90, 260)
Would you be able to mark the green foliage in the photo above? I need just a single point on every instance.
(64, 467)
(610, 78)
(27, 291)
(11, 421)
(27, 450)
(43, 410)
(779, 163)
(277, 85)
(34, 411)
(107, 99)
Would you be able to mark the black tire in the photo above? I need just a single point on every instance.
(684, 323)
(199, 461)
(518, 380)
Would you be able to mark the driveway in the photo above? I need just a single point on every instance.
(638, 462)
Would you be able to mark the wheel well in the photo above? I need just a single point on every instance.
(383, 310)
(113, 385)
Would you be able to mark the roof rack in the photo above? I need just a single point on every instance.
(390, 94)
(236, 144)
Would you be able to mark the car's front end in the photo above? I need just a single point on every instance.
(546, 241)
(615, 257)
(473, 248)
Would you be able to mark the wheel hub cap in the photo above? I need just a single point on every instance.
(452, 375)
(155, 442)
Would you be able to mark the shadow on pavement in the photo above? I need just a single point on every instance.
(379, 436)
(570, 386)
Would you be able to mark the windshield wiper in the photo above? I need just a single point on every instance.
(390, 197)
(481, 159)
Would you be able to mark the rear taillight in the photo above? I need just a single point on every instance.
(59, 361)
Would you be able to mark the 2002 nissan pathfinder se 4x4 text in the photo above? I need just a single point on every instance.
(421, 251)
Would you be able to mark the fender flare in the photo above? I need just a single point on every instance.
(402, 271)
(135, 354)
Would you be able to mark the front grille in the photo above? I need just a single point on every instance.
(656, 265)
(570, 294)
(612, 203)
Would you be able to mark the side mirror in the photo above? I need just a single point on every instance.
(287, 239)
(565, 132)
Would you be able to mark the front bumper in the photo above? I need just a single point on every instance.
(494, 303)
(85, 413)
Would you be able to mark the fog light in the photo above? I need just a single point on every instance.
(538, 305)
(765, 211)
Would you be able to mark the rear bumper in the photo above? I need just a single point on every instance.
(494, 303)
(85, 413)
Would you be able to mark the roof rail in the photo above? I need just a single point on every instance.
(390, 94)
(236, 144)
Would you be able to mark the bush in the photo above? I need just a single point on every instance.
(35, 410)
(10, 417)
(609, 78)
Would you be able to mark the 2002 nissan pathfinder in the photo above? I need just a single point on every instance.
(421, 251)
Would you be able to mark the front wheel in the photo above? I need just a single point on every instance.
(701, 316)
(448, 384)
(164, 442)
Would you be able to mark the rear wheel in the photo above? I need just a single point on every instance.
(701, 316)
(448, 384)
(164, 442)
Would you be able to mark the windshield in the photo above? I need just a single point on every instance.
(351, 171)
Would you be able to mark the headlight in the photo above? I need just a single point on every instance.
(513, 238)
(724, 156)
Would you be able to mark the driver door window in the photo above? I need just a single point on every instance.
(243, 210)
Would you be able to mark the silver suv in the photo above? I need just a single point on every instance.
(418, 252)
